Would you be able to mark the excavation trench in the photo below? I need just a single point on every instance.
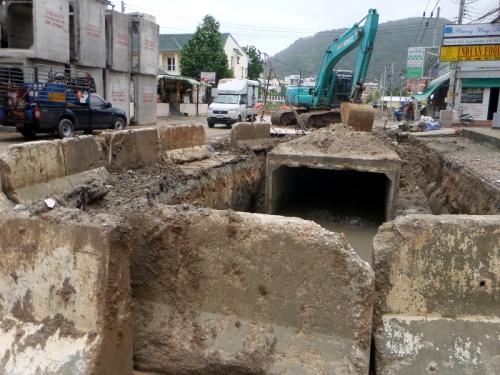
(216, 292)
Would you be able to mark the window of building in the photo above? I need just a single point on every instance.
(472, 95)
(232, 61)
(238, 60)
(171, 64)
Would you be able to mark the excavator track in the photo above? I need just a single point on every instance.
(312, 119)
(359, 116)
(283, 118)
(320, 119)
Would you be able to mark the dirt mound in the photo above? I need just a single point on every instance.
(339, 139)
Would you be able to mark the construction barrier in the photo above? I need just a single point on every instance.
(437, 305)
(34, 170)
(247, 293)
(65, 298)
(250, 133)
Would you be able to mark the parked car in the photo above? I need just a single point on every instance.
(48, 100)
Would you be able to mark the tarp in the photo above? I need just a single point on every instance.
(433, 86)
(191, 81)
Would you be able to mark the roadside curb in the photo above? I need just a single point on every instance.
(7, 129)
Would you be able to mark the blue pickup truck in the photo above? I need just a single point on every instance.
(54, 100)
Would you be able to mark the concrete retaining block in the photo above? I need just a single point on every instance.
(81, 154)
(146, 147)
(250, 133)
(25, 169)
(65, 292)
(437, 286)
(34, 170)
(136, 148)
(182, 143)
(225, 292)
(132, 149)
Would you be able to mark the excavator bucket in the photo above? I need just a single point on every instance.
(358, 116)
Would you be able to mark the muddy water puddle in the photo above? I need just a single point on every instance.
(358, 232)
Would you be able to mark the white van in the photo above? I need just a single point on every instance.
(235, 102)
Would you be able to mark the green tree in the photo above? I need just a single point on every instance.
(204, 51)
(256, 62)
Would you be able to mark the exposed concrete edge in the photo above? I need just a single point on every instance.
(430, 318)
(185, 155)
(480, 137)
(249, 132)
(33, 193)
(5, 203)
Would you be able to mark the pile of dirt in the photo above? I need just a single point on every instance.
(340, 140)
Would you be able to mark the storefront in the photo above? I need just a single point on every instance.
(479, 97)
(178, 95)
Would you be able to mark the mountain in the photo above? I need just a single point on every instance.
(391, 45)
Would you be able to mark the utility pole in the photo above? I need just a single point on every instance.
(461, 8)
(123, 6)
(435, 28)
(384, 86)
(390, 85)
(381, 90)
(454, 65)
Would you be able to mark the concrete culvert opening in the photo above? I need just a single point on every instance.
(348, 201)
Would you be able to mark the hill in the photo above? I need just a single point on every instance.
(391, 45)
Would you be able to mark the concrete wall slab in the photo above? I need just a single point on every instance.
(90, 46)
(118, 90)
(29, 164)
(81, 154)
(65, 298)
(243, 293)
(145, 99)
(51, 30)
(249, 132)
(119, 41)
(426, 345)
(35, 170)
(146, 51)
(437, 282)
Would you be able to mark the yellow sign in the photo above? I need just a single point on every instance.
(57, 96)
(471, 53)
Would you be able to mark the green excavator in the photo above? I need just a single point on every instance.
(316, 106)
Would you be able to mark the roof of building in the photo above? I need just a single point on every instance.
(175, 42)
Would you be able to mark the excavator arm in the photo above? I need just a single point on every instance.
(357, 36)
(361, 117)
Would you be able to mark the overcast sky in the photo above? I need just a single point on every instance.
(272, 25)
